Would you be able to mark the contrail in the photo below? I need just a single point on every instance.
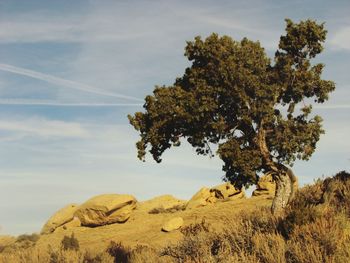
(62, 82)
(55, 103)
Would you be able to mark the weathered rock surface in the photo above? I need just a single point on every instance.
(161, 203)
(106, 209)
(237, 196)
(173, 224)
(71, 224)
(226, 191)
(206, 196)
(202, 198)
(265, 186)
(61, 217)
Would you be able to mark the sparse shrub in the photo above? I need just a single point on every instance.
(260, 221)
(269, 247)
(89, 257)
(26, 241)
(200, 244)
(53, 256)
(50, 255)
(25, 237)
(22, 242)
(297, 216)
(70, 243)
(315, 228)
(337, 192)
(142, 254)
(195, 229)
(119, 252)
(161, 210)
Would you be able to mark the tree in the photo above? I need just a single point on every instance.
(256, 112)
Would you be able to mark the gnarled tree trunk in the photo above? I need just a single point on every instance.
(285, 189)
(283, 176)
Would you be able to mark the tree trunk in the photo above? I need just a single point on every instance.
(286, 182)
(285, 189)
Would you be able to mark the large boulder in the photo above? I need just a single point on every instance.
(106, 209)
(71, 224)
(239, 195)
(202, 198)
(173, 224)
(265, 186)
(60, 218)
(227, 191)
(206, 196)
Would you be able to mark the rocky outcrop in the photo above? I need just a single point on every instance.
(237, 196)
(60, 218)
(206, 196)
(160, 204)
(173, 224)
(265, 186)
(106, 209)
(227, 191)
(71, 224)
(202, 198)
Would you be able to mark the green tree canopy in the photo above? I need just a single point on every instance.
(257, 110)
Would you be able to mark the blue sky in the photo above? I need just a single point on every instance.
(70, 72)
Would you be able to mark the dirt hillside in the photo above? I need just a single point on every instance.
(144, 228)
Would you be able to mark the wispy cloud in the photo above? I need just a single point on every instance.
(44, 27)
(43, 128)
(62, 82)
(341, 39)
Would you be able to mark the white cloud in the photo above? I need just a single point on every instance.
(341, 39)
(42, 128)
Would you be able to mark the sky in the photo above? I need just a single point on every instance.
(71, 71)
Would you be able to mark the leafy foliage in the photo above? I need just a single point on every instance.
(235, 97)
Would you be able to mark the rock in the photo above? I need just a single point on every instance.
(239, 195)
(162, 204)
(71, 224)
(173, 224)
(265, 186)
(224, 191)
(106, 209)
(211, 200)
(201, 198)
(61, 217)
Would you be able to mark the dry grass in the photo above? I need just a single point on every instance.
(315, 228)
(34, 255)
